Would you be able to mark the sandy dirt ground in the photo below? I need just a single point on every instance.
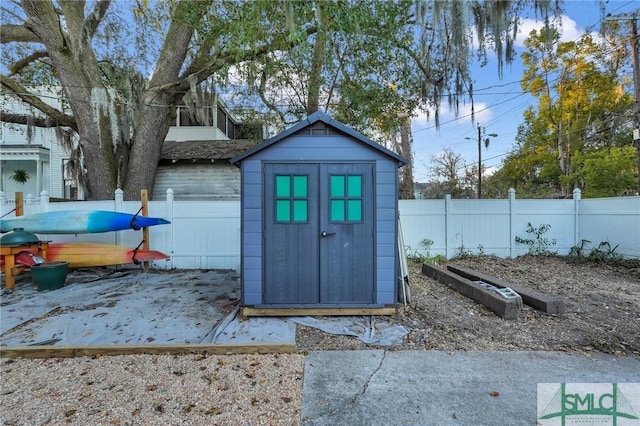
(602, 301)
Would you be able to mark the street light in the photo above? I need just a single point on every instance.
(486, 144)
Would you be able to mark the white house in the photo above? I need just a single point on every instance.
(194, 160)
(35, 151)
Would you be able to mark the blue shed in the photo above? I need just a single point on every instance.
(319, 222)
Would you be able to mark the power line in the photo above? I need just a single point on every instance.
(496, 120)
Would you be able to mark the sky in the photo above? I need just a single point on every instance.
(499, 104)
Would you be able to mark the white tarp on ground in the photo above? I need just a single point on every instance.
(253, 331)
(119, 308)
(366, 328)
(128, 307)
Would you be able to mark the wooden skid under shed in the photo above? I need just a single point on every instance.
(294, 312)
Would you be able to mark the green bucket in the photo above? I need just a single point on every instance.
(49, 275)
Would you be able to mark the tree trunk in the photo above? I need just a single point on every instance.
(141, 169)
(72, 55)
(153, 125)
(562, 157)
(111, 159)
(406, 191)
(315, 73)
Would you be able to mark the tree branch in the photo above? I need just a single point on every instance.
(17, 66)
(27, 119)
(29, 98)
(261, 92)
(44, 21)
(95, 17)
(231, 58)
(17, 33)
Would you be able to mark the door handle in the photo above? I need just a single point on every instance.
(325, 233)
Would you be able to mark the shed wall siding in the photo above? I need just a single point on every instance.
(217, 181)
(321, 149)
(318, 148)
(252, 231)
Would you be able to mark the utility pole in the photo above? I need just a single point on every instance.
(480, 162)
(635, 58)
(486, 144)
(635, 52)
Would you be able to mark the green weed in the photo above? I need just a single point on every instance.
(422, 253)
(537, 242)
(603, 252)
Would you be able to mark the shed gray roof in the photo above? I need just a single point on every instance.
(205, 150)
(309, 121)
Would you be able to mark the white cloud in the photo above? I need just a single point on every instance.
(570, 31)
(568, 27)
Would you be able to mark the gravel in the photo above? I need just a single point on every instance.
(153, 390)
(603, 314)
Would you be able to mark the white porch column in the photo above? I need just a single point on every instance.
(38, 176)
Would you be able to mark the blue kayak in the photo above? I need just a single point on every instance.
(79, 222)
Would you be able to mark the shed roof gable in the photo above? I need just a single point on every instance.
(327, 120)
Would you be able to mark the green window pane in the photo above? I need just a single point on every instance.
(354, 210)
(283, 210)
(337, 186)
(283, 186)
(300, 210)
(354, 186)
(337, 210)
(299, 186)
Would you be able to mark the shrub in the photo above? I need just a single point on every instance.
(537, 242)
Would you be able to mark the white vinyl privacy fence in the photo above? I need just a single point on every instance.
(206, 234)
(452, 227)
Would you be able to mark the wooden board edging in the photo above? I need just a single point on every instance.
(296, 312)
(53, 351)
(534, 298)
(504, 308)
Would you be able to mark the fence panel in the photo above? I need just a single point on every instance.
(612, 220)
(478, 226)
(558, 214)
(423, 221)
(206, 234)
(455, 226)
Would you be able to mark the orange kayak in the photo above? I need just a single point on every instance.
(85, 255)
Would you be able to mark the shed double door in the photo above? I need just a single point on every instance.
(318, 234)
